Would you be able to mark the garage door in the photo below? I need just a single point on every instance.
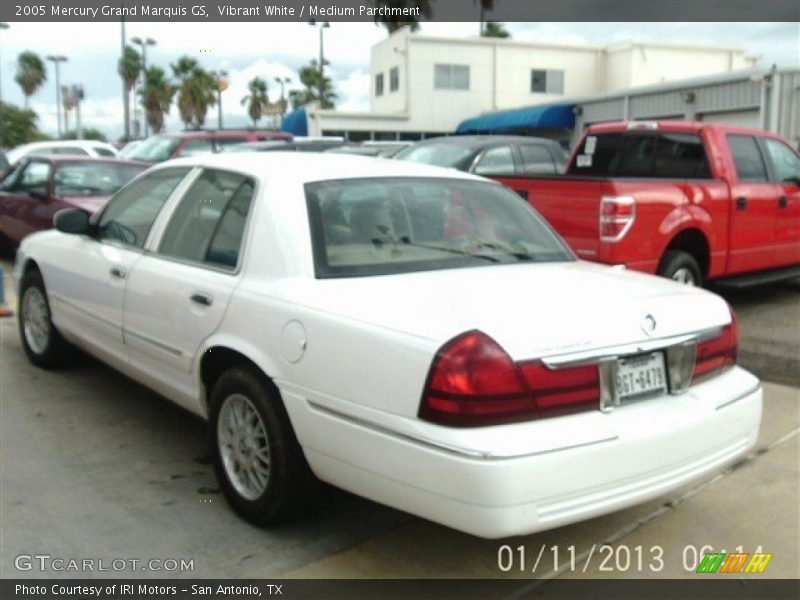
(740, 118)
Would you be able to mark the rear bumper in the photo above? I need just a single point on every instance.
(657, 446)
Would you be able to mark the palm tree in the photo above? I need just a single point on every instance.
(156, 95)
(310, 78)
(257, 100)
(31, 74)
(495, 30)
(129, 68)
(392, 24)
(197, 91)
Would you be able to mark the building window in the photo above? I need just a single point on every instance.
(379, 84)
(547, 82)
(451, 77)
(394, 79)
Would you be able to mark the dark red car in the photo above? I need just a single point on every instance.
(163, 146)
(39, 187)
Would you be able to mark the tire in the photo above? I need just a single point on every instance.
(41, 341)
(280, 484)
(681, 267)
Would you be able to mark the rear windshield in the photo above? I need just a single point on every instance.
(93, 178)
(438, 154)
(379, 226)
(156, 148)
(641, 155)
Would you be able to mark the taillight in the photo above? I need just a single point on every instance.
(719, 352)
(617, 214)
(473, 382)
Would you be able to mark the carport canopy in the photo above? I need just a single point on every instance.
(559, 116)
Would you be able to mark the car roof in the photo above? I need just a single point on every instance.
(645, 125)
(221, 133)
(56, 159)
(480, 141)
(304, 167)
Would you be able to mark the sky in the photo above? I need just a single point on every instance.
(272, 50)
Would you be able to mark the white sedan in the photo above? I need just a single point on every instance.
(61, 147)
(414, 335)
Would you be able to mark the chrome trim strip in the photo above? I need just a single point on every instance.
(152, 342)
(741, 396)
(574, 359)
(436, 445)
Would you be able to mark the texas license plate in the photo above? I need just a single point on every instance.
(640, 375)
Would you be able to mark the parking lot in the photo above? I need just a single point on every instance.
(96, 466)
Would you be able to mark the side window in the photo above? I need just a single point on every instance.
(785, 161)
(195, 147)
(496, 161)
(130, 214)
(208, 225)
(379, 84)
(536, 159)
(34, 179)
(103, 151)
(747, 158)
(229, 141)
(681, 155)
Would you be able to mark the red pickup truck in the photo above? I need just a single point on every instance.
(689, 201)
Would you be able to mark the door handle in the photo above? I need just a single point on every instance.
(783, 202)
(741, 203)
(202, 298)
(118, 272)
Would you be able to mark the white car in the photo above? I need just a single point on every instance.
(71, 147)
(414, 335)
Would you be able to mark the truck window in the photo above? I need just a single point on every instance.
(784, 161)
(641, 155)
(747, 158)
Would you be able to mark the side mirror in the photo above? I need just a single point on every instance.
(72, 220)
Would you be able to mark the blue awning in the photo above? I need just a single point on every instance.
(531, 117)
(295, 122)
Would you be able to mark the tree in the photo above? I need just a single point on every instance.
(310, 78)
(31, 74)
(495, 30)
(18, 126)
(257, 100)
(197, 91)
(156, 96)
(129, 68)
(89, 133)
(392, 24)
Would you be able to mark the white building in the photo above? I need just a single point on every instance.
(422, 85)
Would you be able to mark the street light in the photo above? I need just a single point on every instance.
(222, 85)
(144, 44)
(57, 59)
(322, 27)
(282, 81)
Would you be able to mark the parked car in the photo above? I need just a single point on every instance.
(414, 335)
(688, 201)
(163, 146)
(62, 147)
(296, 145)
(489, 154)
(128, 148)
(39, 187)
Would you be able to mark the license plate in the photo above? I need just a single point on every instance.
(640, 375)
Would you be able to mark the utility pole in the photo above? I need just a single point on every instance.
(57, 59)
(144, 44)
(322, 27)
(126, 106)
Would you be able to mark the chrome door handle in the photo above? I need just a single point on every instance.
(202, 298)
(118, 272)
(783, 202)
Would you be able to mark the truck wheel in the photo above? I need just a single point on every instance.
(257, 458)
(681, 267)
(41, 341)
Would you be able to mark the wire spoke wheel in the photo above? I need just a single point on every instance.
(35, 320)
(244, 446)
